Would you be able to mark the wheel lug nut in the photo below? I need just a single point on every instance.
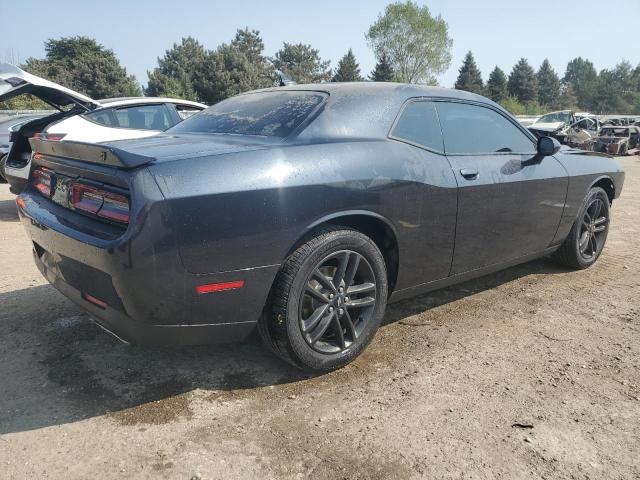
(346, 299)
(340, 311)
(330, 295)
(341, 289)
(331, 309)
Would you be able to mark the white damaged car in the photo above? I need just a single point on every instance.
(82, 119)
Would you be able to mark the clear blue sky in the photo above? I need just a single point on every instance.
(497, 31)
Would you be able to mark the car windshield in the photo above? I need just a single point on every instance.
(554, 117)
(265, 114)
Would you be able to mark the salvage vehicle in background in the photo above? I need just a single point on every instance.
(81, 118)
(618, 140)
(302, 211)
(569, 128)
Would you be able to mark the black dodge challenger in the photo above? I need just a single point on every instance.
(302, 211)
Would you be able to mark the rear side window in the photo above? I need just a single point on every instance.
(103, 117)
(266, 114)
(418, 124)
(143, 117)
(185, 111)
(474, 129)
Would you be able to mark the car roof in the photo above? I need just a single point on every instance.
(381, 88)
(116, 102)
(367, 110)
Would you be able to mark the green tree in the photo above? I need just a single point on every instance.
(233, 68)
(302, 63)
(548, 85)
(615, 90)
(469, 76)
(583, 78)
(383, 71)
(523, 83)
(348, 69)
(25, 102)
(83, 65)
(416, 43)
(497, 85)
(636, 79)
(513, 106)
(173, 77)
(568, 99)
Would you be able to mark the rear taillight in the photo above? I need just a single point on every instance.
(100, 202)
(53, 137)
(42, 181)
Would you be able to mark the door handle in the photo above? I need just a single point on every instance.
(469, 173)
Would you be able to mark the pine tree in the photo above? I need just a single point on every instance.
(583, 78)
(497, 86)
(383, 71)
(548, 85)
(469, 76)
(173, 77)
(348, 69)
(302, 63)
(523, 83)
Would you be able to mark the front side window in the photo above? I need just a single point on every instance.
(473, 129)
(418, 124)
(266, 114)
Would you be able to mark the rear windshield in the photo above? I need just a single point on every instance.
(267, 114)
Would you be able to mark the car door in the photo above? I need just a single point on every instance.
(432, 237)
(510, 201)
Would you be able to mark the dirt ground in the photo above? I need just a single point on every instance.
(529, 373)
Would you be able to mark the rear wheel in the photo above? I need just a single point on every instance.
(327, 302)
(589, 233)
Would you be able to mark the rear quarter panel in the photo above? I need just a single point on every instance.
(247, 210)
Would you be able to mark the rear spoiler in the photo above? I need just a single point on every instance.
(90, 153)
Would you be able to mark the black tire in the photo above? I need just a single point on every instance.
(352, 321)
(623, 151)
(3, 159)
(592, 225)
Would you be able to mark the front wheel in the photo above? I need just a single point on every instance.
(327, 301)
(589, 233)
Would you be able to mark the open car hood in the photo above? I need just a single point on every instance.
(15, 81)
(547, 126)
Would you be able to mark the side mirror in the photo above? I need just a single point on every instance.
(548, 146)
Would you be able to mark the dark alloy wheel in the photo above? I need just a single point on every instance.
(593, 229)
(327, 301)
(338, 301)
(587, 237)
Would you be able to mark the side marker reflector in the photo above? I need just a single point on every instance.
(219, 287)
(96, 301)
(20, 202)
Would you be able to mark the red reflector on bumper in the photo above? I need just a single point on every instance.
(20, 202)
(219, 287)
(96, 301)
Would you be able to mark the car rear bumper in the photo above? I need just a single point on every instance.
(146, 296)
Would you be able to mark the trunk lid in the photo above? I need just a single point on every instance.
(128, 154)
(15, 81)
